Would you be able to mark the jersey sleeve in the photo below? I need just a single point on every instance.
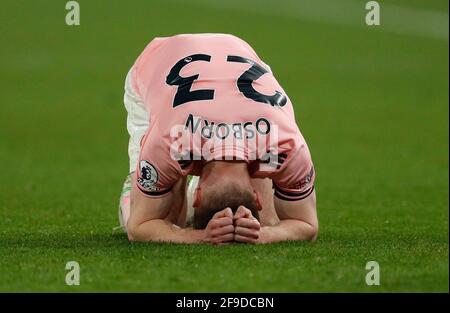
(156, 172)
(295, 179)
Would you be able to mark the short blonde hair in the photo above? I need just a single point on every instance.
(217, 198)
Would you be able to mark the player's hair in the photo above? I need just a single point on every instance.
(217, 199)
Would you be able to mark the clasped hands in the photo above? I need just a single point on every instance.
(224, 227)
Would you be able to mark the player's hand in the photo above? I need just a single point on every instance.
(220, 228)
(246, 226)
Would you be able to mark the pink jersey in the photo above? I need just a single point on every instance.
(210, 97)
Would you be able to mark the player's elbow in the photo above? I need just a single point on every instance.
(134, 232)
(312, 232)
(143, 232)
(308, 231)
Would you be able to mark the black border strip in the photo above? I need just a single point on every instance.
(282, 302)
(289, 193)
(154, 193)
(282, 196)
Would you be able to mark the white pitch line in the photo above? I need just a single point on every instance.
(394, 19)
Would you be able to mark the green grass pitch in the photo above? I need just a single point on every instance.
(372, 104)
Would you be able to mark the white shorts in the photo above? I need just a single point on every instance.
(138, 121)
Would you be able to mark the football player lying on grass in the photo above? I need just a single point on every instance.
(206, 106)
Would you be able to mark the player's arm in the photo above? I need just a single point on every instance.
(298, 221)
(149, 221)
(294, 202)
(294, 199)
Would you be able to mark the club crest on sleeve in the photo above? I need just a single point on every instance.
(148, 176)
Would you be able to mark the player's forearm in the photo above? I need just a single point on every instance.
(288, 229)
(159, 230)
